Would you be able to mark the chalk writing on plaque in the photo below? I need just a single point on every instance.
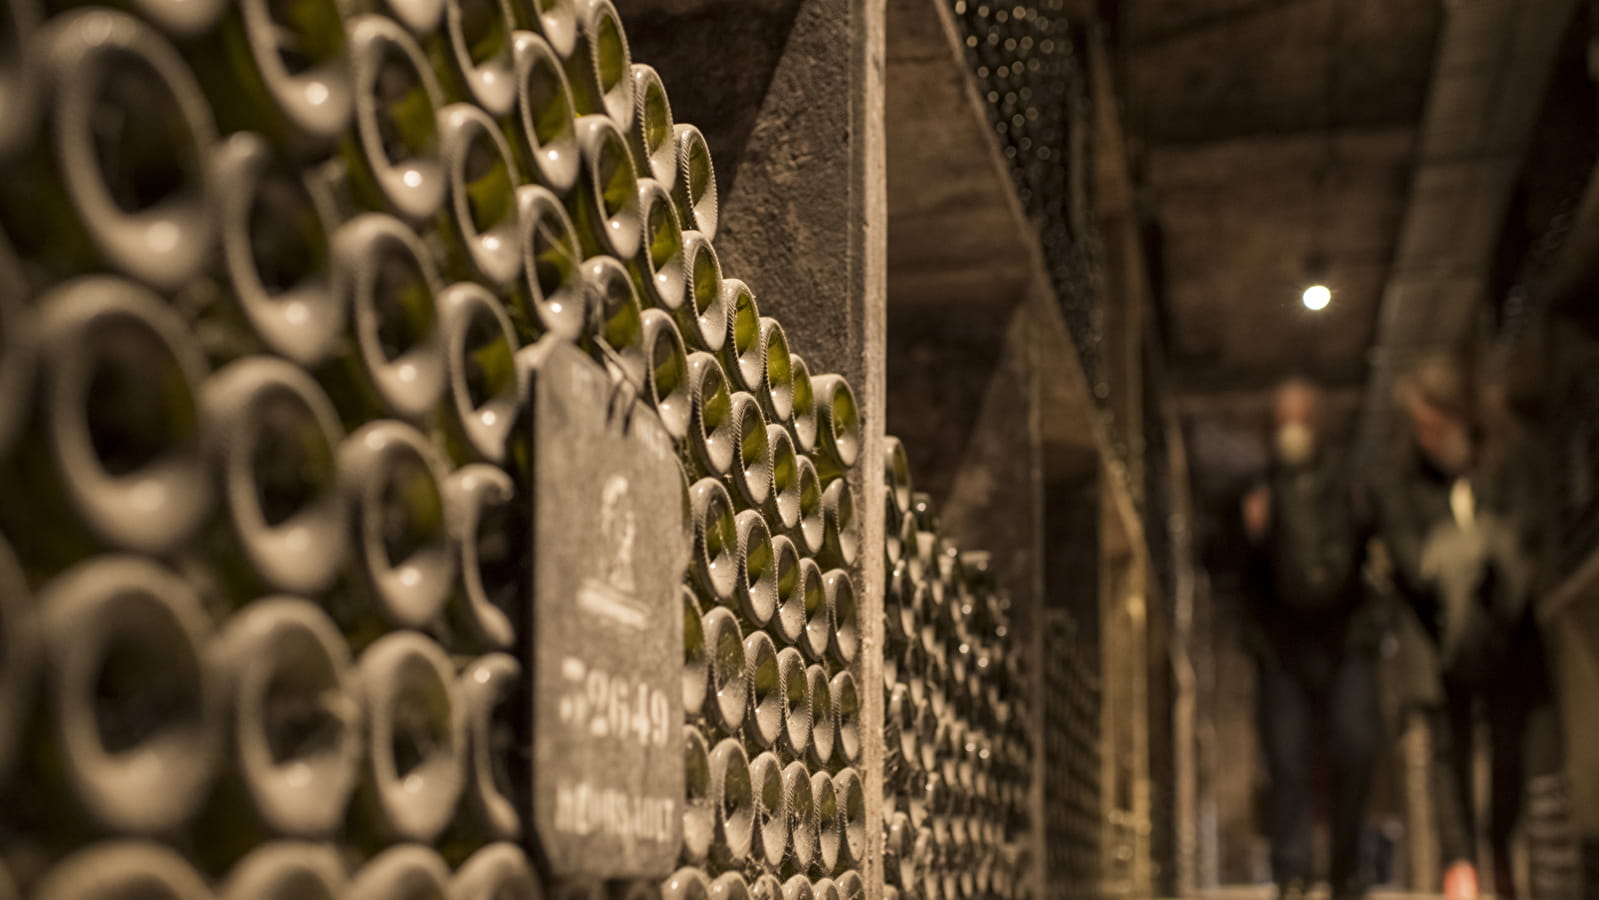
(609, 548)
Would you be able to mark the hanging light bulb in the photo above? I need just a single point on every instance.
(1316, 297)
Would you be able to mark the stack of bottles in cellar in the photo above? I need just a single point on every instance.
(958, 753)
(1025, 56)
(272, 278)
(1073, 810)
(776, 803)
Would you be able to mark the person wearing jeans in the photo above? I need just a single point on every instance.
(1315, 643)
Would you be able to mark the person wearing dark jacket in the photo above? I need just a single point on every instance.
(1315, 642)
(1452, 519)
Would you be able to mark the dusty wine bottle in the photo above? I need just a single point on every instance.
(812, 527)
(484, 395)
(847, 716)
(480, 215)
(599, 66)
(549, 297)
(716, 546)
(286, 870)
(666, 372)
(402, 872)
(604, 201)
(114, 869)
(770, 845)
(129, 133)
(755, 571)
(272, 433)
(658, 267)
(728, 698)
(794, 693)
(733, 799)
(927, 722)
(850, 884)
(282, 69)
(295, 731)
(840, 528)
(766, 887)
(801, 815)
(788, 619)
(274, 238)
(763, 722)
(897, 474)
(843, 633)
(393, 153)
(650, 135)
(823, 720)
(838, 426)
(498, 871)
(812, 611)
(777, 382)
(751, 472)
(387, 276)
(390, 477)
(803, 422)
(743, 352)
(687, 883)
(474, 51)
(704, 314)
(899, 853)
(710, 440)
(798, 887)
(617, 317)
(488, 532)
(730, 886)
(699, 818)
(903, 713)
(783, 503)
(118, 458)
(555, 21)
(542, 130)
(696, 665)
(485, 690)
(415, 760)
(825, 888)
(695, 190)
(829, 839)
(137, 730)
(900, 605)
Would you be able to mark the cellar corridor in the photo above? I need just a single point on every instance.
(799, 449)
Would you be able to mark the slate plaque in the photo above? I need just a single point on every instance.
(610, 543)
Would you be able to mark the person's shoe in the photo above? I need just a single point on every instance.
(1291, 890)
(1354, 889)
(1460, 882)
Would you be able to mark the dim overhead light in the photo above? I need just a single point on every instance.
(1317, 297)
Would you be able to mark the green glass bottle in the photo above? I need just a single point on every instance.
(393, 151)
(480, 216)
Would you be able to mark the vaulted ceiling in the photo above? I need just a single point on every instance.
(1279, 140)
(1274, 133)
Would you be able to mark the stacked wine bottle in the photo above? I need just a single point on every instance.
(270, 275)
(776, 805)
(1030, 69)
(1073, 808)
(958, 757)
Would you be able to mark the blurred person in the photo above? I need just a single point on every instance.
(1455, 513)
(1314, 640)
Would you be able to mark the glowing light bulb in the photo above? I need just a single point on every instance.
(1317, 297)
